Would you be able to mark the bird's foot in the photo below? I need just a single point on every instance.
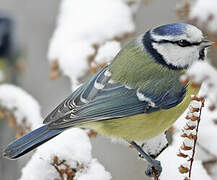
(154, 170)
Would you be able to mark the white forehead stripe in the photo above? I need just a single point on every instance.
(157, 37)
(98, 85)
(141, 97)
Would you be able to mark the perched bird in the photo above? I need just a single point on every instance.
(136, 97)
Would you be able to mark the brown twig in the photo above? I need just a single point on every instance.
(195, 140)
(190, 132)
(156, 176)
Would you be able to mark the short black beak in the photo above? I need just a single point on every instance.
(206, 43)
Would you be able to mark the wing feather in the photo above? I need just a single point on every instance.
(109, 101)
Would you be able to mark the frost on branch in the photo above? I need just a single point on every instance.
(66, 157)
(85, 30)
(20, 109)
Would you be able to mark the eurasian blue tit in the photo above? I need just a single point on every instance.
(136, 97)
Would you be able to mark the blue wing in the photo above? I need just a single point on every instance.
(100, 99)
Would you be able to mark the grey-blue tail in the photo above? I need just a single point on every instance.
(30, 141)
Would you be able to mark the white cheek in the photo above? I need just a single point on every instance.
(176, 55)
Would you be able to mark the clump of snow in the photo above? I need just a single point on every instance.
(24, 106)
(95, 171)
(107, 52)
(74, 147)
(155, 145)
(203, 72)
(208, 132)
(204, 11)
(84, 25)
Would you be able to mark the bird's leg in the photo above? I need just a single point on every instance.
(154, 166)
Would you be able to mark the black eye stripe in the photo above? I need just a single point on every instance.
(177, 42)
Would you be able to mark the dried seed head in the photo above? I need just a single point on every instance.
(194, 110)
(183, 170)
(185, 148)
(195, 85)
(192, 136)
(92, 133)
(55, 159)
(194, 118)
(181, 154)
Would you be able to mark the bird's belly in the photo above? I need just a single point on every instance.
(143, 126)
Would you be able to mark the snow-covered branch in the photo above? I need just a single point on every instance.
(85, 30)
(66, 157)
(201, 13)
(178, 164)
(204, 72)
(20, 109)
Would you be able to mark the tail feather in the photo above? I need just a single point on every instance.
(30, 141)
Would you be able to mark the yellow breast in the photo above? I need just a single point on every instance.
(143, 126)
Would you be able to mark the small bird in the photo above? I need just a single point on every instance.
(136, 97)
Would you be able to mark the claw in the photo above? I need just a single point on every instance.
(153, 170)
(141, 156)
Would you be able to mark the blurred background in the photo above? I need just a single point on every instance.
(32, 26)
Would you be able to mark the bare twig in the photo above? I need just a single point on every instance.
(195, 140)
(156, 176)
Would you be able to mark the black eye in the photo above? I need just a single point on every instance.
(183, 43)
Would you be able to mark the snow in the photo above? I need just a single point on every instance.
(74, 147)
(107, 52)
(24, 106)
(155, 145)
(84, 26)
(77, 149)
(203, 71)
(195, 104)
(96, 172)
(204, 11)
(208, 131)
(188, 142)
